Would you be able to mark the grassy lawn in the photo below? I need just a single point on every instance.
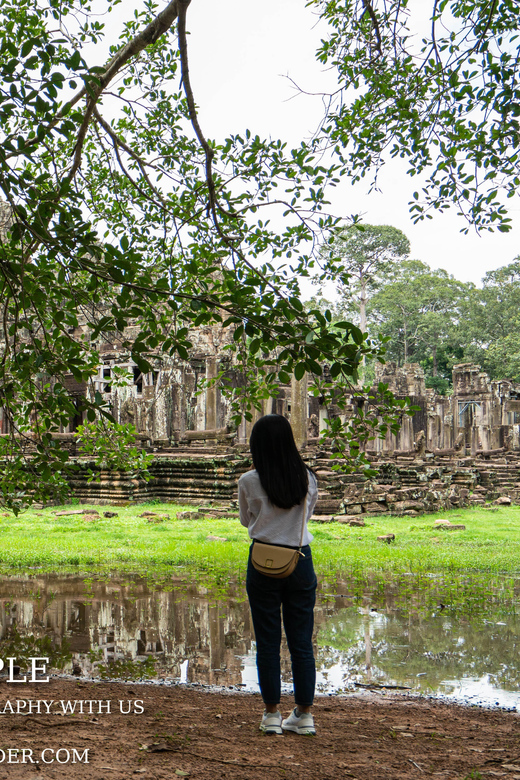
(40, 538)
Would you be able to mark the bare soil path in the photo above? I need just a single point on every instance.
(193, 733)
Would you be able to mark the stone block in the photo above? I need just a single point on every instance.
(388, 538)
(90, 518)
(503, 501)
(452, 527)
(76, 512)
(353, 490)
(375, 507)
(353, 509)
(322, 518)
(375, 489)
(401, 506)
(352, 520)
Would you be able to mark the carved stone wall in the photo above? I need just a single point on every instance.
(189, 477)
(480, 416)
(403, 486)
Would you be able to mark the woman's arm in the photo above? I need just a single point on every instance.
(243, 507)
(313, 495)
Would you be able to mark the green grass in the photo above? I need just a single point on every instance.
(491, 542)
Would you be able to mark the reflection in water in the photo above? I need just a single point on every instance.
(459, 639)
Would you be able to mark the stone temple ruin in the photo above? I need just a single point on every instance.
(458, 450)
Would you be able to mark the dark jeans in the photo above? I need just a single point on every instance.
(295, 595)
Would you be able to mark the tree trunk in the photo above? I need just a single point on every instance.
(363, 304)
(363, 319)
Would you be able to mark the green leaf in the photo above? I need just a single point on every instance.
(299, 371)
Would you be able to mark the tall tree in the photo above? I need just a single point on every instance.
(491, 323)
(419, 312)
(359, 257)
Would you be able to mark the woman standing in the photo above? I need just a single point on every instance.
(272, 499)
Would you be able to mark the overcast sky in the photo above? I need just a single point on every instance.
(240, 54)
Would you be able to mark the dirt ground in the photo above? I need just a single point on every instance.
(191, 732)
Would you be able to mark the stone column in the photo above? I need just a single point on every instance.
(211, 395)
(268, 405)
(486, 437)
(405, 438)
(299, 410)
(249, 423)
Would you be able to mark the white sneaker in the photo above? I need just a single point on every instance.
(300, 724)
(271, 723)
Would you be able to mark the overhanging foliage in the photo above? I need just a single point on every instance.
(435, 83)
(122, 212)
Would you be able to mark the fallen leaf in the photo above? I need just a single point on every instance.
(180, 773)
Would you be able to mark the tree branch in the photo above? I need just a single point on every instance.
(194, 119)
(117, 141)
(148, 36)
(367, 5)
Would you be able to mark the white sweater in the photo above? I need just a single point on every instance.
(269, 523)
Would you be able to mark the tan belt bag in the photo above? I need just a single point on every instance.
(274, 561)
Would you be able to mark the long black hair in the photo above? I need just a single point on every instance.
(283, 474)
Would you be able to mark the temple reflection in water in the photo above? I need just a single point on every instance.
(386, 633)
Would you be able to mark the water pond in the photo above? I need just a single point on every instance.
(455, 637)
